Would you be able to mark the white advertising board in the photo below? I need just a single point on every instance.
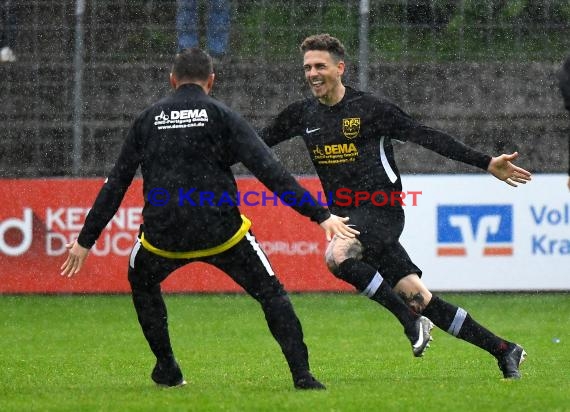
(474, 232)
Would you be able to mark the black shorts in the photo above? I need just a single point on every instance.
(245, 263)
(380, 230)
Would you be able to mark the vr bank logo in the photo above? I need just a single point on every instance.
(475, 230)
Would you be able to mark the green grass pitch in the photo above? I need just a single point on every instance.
(87, 353)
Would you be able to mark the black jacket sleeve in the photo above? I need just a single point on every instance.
(407, 129)
(283, 127)
(111, 194)
(442, 143)
(258, 158)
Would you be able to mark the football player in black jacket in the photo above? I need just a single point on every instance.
(348, 134)
(185, 145)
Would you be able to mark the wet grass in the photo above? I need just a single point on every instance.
(86, 353)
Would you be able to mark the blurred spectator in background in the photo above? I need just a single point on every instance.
(8, 33)
(217, 21)
(564, 82)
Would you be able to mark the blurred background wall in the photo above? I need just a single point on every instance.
(484, 70)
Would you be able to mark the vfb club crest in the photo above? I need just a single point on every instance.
(351, 127)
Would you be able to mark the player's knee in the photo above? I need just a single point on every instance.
(273, 305)
(414, 293)
(414, 300)
(416, 303)
(143, 286)
(340, 250)
(271, 296)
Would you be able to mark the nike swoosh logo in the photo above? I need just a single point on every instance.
(421, 338)
(312, 130)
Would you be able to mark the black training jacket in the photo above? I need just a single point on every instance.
(350, 143)
(185, 145)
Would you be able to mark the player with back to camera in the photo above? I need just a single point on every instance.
(375, 261)
(197, 154)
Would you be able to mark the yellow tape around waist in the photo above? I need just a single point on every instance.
(245, 225)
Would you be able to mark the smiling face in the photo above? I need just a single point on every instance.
(324, 75)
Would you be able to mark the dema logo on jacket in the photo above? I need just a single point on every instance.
(176, 119)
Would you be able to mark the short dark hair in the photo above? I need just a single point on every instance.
(192, 64)
(324, 42)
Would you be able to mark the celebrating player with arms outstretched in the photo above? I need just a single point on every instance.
(349, 134)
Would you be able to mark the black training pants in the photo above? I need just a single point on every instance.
(248, 266)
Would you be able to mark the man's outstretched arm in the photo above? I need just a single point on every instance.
(105, 206)
(258, 158)
(440, 142)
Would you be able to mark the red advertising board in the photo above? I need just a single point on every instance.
(38, 216)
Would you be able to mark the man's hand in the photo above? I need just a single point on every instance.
(75, 259)
(502, 168)
(336, 225)
(569, 183)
